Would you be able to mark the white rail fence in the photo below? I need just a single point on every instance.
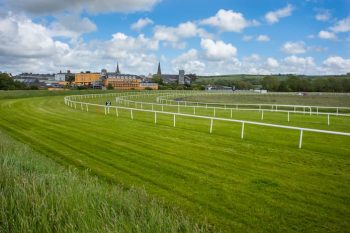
(74, 103)
(141, 104)
(312, 109)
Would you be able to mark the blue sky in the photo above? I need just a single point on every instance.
(203, 37)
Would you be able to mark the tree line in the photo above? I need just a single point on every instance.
(7, 83)
(306, 84)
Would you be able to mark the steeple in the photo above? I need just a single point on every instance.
(117, 71)
(159, 70)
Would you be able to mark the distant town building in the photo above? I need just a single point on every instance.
(39, 80)
(86, 79)
(159, 71)
(116, 80)
(180, 78)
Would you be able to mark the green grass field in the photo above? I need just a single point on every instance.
(38, 195)
(263, 183)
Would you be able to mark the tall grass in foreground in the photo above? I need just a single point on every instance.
(38, 195)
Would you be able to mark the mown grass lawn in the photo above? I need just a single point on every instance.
(263, 183)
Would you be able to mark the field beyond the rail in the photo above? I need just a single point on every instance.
(262, 183)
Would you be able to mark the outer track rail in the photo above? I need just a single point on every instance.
(72, 101)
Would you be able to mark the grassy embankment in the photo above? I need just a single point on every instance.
(38, 195)
(260, 184)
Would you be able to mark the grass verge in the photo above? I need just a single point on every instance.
(38, 195)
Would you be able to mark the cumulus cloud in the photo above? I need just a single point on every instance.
(252, 58)
(19, 36)
(175, 34)
(300, 61)
(342, 25)
(92, 6)
(271, 62)
(26, 46)
(71, 26)
(218, 50)
(263, 38)
(294, 47)
(189, 61)
(327, 35)
(228, 20)
(338, 63)
(274, 16)
(141, 23)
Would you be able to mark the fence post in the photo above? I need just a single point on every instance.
(155, 117)
(328, 120)
(105, 110)
(337, 111)
(262, 115)
(162, 108)
(242, 133)
(87, 107)
(231, 112)
(288, 117)
(174, 120)
(108, 109)
(131, 114)
(152, 107)
(211, 125)
(214, 112)
(194, 110)
(301, 139)
(178, 108)
(317, 110)
(116, 112)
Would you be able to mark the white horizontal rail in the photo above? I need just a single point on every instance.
(247, 104)
(227, 107)
(70, 103)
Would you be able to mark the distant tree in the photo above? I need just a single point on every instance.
(110, 86)
(70, 79)
(271, 83)
(7, 83)
(157, 79)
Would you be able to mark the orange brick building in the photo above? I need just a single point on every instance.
(86, 79)
(131, 83)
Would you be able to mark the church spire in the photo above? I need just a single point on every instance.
(117, 71)
(159, 72)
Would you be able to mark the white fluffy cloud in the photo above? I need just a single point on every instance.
(342, 25)
(294, 47)
(271, 62)
(26, 46)
(263, 38)
(218, 50)
(189, 61)
(274, 16)
(299, 61)
(327, 35)
(228, 20)
(175, 34)
(141, 23)
(71, 26)
(92, 6)
(20, 37)
(338, 63)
